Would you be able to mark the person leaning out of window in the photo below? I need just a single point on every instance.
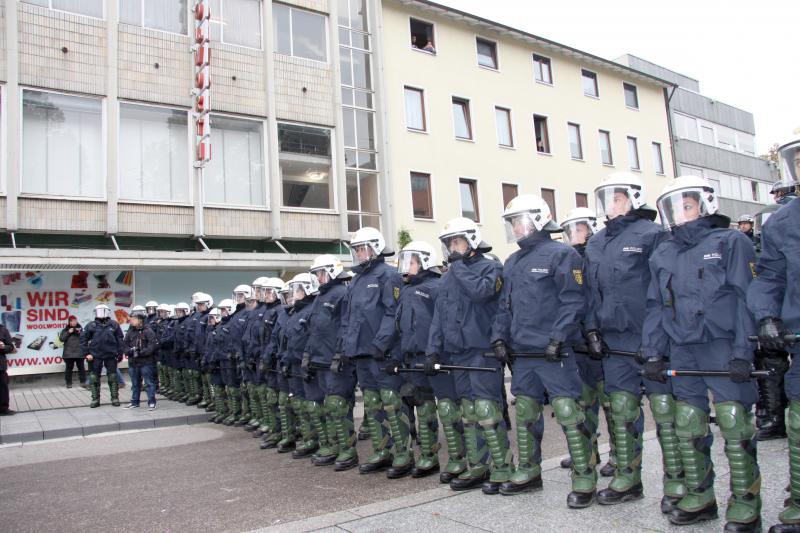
(72, 355)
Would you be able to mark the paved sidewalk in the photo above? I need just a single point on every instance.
(441, 509)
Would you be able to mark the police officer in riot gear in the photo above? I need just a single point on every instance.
(541, 306)
(230, 364)
(746, 225)
(180, 329)
(366, 332)
(195, 348)
(215, 352)
(460, 333)
(101, 343)
(274, 316)
(774, 299)
(697, 313)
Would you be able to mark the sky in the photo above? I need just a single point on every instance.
(744, 53)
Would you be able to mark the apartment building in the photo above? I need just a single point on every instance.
(714, 140)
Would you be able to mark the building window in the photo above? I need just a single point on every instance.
(707, 135)
(358, 128)
(164, 15)
(542, 69)
(487, 53)
(605, 148)
(505, 136)
(510, 191)
(415, 109)
(363, 205)
(631, 96)
(581, 199)
(62, 145)
(91, 8)
(469, 199)
(685, 126)
(746, 143)
(154, 150)
(658, 160)
(300, 33)
(589, 80)
(305, 163)
(461, 119)
(575, 145)
(422, 36)
(239, 22)
(353, 14)
(236, 173)
(726, 138)
(633, 154)
(549, 196)
(749, 190)
(542, 136)
(421, 197)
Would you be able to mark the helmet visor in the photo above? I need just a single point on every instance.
(789, 158)
(270, 294)
(519, 226)
(409, 263)
(685, 205)
(455, 243)
(612, 202)
(102, 312)
(361, 252)
(578, 231)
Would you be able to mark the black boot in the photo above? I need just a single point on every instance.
(668, 503)
(341, 466)
(772, 402)
(396, 472)
(738, 527)
(785, 528)
(613, 497)
(417, 472)
(508, 488)
(580, 500)
(679, 517)
(468, 483)
(377, 466)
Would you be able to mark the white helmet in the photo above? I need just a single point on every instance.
(580, 224)
(195, 296)
(137, 311)
(216, 314)
(242, 293)
(287, 295)
(151, 304)
(227, 306)
(163, 311)
(528, 214)
(686, 199)
(306, 282)
(258, 287)
(329, 264)
(618, 194)
(419, 252)
(370, 238)
(172, 311)
(272, 289)
(102, 311)
(204, 298)
(789, 161)
(182, 306)
(746, 218)
(460, 227)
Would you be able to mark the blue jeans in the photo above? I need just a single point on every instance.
(147, 374)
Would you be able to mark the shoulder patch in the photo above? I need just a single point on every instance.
(578, 274)
(396, 293)
(498, 285)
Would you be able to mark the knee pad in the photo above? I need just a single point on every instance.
(690, 421)
(734, 422)
(297, 404)
(468, 411)
(625, 405)
(272, 396)
(568, 412)
(336, 406)
(426, 410)
(528, 408)
(283, 399)
(372, 401)
(488, 412)
(315, 409)
(449, 411)
(663, 408)
(391, 400)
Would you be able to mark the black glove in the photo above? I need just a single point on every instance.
(595, 346)
(640, 356)
(654, 369)
(337, 363)
(771, 333)
(285, 371)
(740, 370)
(378, 355)
(454, 256)
(305, 367)
(430, 364)
(500, 349)
(553, 351)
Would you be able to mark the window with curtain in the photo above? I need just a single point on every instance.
(62, 145)
(575, 145)
(633, 153)
(469, 199)
(605, 148)
(589, 80)
(306, 166)
(164, 15)
(541, 134)
(658, 160)
(542, 69)
(505, 136)
(415, 109)
(236, 22)
(300, 33)
(631, 95)
(487, 53)
(421, 196)
(154, 153)
(91, 8)
(236, 173)
(461, 119)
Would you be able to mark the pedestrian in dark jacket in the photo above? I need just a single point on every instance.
(101, 344)
(72, 355)
(6, 347)
(140, 346)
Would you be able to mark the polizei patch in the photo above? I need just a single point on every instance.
(633, 249)
(712, 255)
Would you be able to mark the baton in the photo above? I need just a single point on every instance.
(437, 366)
(528, 355)
(711, 373)
(397, 369)
(584, 350)
(789, 338)
(281, 373)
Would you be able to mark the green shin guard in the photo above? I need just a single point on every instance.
(338, 411)
(572, 419)
(791, 513)
(316, 415)
(377, 432)
(263, 421)
(450, 417)
(691, 426)
(255, 406)
(221, 413)
(244, 416)
(490, 418)
(427, 435)
(626, 411)
(590, 403)
(398, 426)
(663, 408)
(307, 434)
(605, 403)
(113, 387)
(287, 420)
(234, 405)
(476, 457)
(94, 384)
(529, 440)
(738, 430)
(271, 411)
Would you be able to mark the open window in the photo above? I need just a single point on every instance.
(422, 36)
